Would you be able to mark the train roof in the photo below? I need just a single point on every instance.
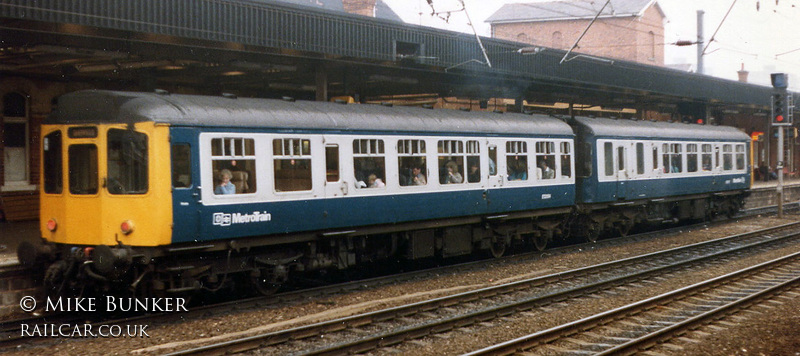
(658, 129)
(100, 106)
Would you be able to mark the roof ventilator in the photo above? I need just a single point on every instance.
(229, 95)
(161, 92)
(288, 98)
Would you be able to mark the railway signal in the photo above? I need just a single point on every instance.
(780, 110)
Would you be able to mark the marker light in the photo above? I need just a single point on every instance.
(52, 225)
(126, 227)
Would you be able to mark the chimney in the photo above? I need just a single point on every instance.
(360, 7)
(743, 74)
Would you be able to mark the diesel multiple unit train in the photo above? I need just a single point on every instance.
(164, 193)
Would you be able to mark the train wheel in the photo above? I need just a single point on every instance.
(267, 281)
(540, 242)
(592, 234)
(624, 227)
(498, 249)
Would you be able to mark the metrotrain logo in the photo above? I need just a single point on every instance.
(227, 219)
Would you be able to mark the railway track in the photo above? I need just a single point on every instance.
(379, 329)
(640, 326)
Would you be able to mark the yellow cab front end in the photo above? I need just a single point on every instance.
(105, 193)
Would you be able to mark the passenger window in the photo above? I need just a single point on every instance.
(676, 161)
(233, 160)
(691, 157)
(451, 161)
(727, 157)
(545, 160)
(639, 158)
(369, 163)
(706, 157)
(473, 162)
(608, 149)
(566, 160)
(53, 165)
(181, 166)
(292, 164)
(411, 162)
(740, 157)
(517, 160)
(127, 162)
(332, 163)
(83, 169)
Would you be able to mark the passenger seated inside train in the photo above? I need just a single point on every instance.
(374, 182)
(452, 175)
(225, 186)
(474, 174)
(544, 171)
(517, 168)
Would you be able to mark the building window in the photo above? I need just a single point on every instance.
(15, 138)
(558, 40)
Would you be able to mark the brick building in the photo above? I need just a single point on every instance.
(626, 29)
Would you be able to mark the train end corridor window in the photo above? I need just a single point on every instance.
(181, 166)
(53, 165)
(83, 169)
(369, 163)
(233, 160)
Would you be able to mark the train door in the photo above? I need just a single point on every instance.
(621, 164)
(495, 179)
(335, 185)
(185, 184)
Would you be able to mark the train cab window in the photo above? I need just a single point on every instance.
(127, 162)
(234, 165)
(691, 157)
(292, 164)
(608, 154)
(451, 161)
(332, 163)
(411, 162)
(566, 160)
(727, 157)
(82, 169)
(473, 162)
(740, 157)
(705, 157)
(369, 163)
(53, 165)
(517, 160)
(181, 165)
(639, 158)
(545, 160)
